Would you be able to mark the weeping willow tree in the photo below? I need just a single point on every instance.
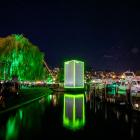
(19, 57)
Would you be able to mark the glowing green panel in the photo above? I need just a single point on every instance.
(74, 74)
(111, 89)
(122, 91)
(74, 111)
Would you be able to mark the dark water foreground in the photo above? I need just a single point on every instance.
(69, 116)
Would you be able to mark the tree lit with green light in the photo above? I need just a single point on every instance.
(20, 58)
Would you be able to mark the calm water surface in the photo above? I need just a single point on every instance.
(69, 115)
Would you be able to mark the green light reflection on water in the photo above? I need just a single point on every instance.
(23, 121)
(74, 111)
(11, 129)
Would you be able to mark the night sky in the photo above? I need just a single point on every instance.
(105, 34)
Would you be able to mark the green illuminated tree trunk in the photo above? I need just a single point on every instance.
(21, 58)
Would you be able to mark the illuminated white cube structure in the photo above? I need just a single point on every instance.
(74, 111)
(74, 74)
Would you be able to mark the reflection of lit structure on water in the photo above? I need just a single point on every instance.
(74, 111)
(12, 127)
(22, 122)
(55, 99)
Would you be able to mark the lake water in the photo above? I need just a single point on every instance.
(67, 115)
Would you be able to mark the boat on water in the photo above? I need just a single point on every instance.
(128, 75)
